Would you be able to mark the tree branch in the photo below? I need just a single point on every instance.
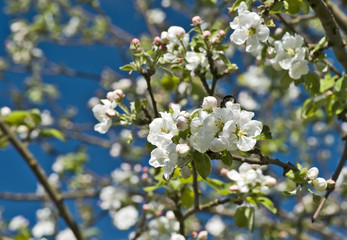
(147, 76)
(195, 188)
(40, 175)
(339, 15)
(331, 30)
(40, 197)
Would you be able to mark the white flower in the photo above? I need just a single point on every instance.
(163, 226)
(116, 149)
(18, 222)
(320, 184)
(215, 226)
(109, 198)
(247, 101)
(71, 28)
(125, 218)
(209, 103)
(161, 130)
(195, 60)
(312, 173)
(165, 158)
(291, 55)
(241, 130)
(218, 144)
(65, 234)
(100, 113)
(43, 228)
(248, 29)
(182, 123)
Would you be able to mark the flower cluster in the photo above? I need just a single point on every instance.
(290, 55)
(105, 112)
(248, 28)
(210, 128)
(250, 177)
(318, 183)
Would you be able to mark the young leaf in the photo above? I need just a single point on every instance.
(202, 164)
(267, 203)
(227, 158)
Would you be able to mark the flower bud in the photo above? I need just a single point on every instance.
(203, 235)
(319, 184)
(270, 52)
(182, 123)
(157, 41)
(182, 149)
(185, 171)
(234, 188)
(111, 113)
(196, 20)
(116, 95)
(215, 39)
(145, 169)
(270, 181)
(206, 34)
(179, 60)
(331, 183)
(223, 171)
(135, 44)
(145, 207)
(194, 234)
(179, 32)
(209, 103)
(221, 33)
(144, 176)
(218, 144)
(164, 37)
(312, 173)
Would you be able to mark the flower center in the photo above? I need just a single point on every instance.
(291, 51)
(251, 31)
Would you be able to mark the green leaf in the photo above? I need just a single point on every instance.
(266, 202)
(244, 216)
(168, 72)
(202, 164)
(138, 106)
(52, 132)
(304, 6)
(285, 81)
(221, 187)
(227, 158)
(327, 82)
(128, 67)
(311, 84)
(293, 6)
(20, 117)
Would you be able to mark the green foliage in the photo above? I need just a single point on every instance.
(52, 132)
(202, 164)
(30, 118)
(244, 217)
(227, 158)
(265, 133)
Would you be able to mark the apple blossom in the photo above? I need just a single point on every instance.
(209, 103)
(125, 218)
(18, 222)
(320, 184)
(100, 113)
(312, 173)
(249, 29)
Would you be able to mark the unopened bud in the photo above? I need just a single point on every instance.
(194, 234)
(145, 169)
(234, 188)
(158, 213)
(144, 176)
(182, 149)
(179, 32)
(223, 171)
(179, 60)
(157, 41)
(319, 184)
(209, 103)
(135, 44)
(270, 181)
(182, 123)
(221, 33)
(185, 171)
(116, 95)
(215, 39)
(270, 52)
(145, 207)
(196, 20)
(111, 113)
(206, 34)
(331, 183)
(312, 173)
(164, 37)
(203, 235)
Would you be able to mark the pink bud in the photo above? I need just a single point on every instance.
(111, 113)
(135, 41)
(158, 213)
(203, 235)
(116, 95)
(206, 34)
(196, 20)
(145, 207)
(221, 33)
(234, 188)
(145, 169)
(331, 183)
(144, 176)
(223, 171)
(157, 41)
(194, 234)
(215, 39)
(179, 60)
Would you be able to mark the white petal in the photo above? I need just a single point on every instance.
(253, 128)
(263, 33)
(246, 143)
(239, 36)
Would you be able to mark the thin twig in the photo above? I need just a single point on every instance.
(340, 16)
(40, 175)
(195, 188)
(41, 197)
(147, 76)
(206, 206)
